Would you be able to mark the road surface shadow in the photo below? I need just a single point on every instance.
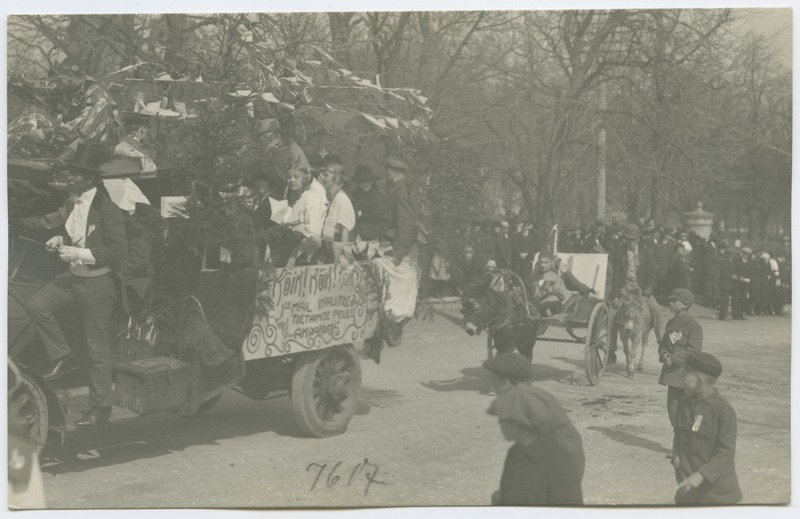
(380, 398)
(630, 439)
(479, 379)
(158, 434)
(458, 321)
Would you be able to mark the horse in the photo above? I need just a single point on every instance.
(634, 322)
(500, 305)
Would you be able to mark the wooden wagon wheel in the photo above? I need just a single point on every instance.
(28, 405)
(325, 390)
(598, 334)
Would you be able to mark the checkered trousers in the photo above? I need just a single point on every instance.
(95, 297)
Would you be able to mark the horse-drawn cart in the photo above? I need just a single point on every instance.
(512, 319)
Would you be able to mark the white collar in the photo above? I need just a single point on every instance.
(87, 196)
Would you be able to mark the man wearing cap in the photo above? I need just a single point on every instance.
(546, 463)
(401, 269)
(509, 369)
(683, 335)
(94, 244)
(369, 202)
(87, 112)
(632, 266)
(704, 444)
(742, 267)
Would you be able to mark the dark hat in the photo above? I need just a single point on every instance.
(683, 295)
(87, 159)
(512, 366)
(315, 160)
(704, 363)
(364, 173)
(529, 407)
(396, 164)
(631, 231)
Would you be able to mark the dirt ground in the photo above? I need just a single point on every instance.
(421, 435)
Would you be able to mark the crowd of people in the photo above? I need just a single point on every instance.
(723, 275)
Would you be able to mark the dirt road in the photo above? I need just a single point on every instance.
(421, 435)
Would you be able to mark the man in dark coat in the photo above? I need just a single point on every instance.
(546, 463)
(683, 336)
(742, 272)
(631, 267)
(94, 244)
(704, 444)
(725, 283)
(370, 204)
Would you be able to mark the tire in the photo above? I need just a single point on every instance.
(28, 404)
(325, 388)
(597, 344)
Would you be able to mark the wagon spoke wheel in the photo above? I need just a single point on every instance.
(598, 334)
(28, 405)
(325, 389)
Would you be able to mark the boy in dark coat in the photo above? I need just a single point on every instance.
(546, 463)
(683, 336)
(705, 438)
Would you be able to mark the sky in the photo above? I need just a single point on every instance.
(776, 23)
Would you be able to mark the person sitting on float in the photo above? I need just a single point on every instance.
(340, 217)
(548, 287)
(305, 215)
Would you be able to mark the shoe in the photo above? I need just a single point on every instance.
(612, 358)
(96, 416)
(63, 366)
(393, 334)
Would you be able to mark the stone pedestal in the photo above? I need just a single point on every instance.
(699, 221)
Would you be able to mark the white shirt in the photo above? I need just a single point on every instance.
(306, 214)
(76, 225)
(340, 212)
(318, 189)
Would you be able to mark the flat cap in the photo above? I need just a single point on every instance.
(529, 407)
(683, 295)
(631, 231)
(396, 164)
(704, 363)
(511, 365)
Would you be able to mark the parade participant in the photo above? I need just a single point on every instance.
(305, 214)
(401, 269)
(340, 218)
(370, 203)
(546, 463)
(94, 244)
(509, 369)
(683, 335)
(741, 283)
(704, 444)
(633, 267)
(548, 287)
(87, 112)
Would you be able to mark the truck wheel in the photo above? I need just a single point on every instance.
(325, 390)
(29, 406)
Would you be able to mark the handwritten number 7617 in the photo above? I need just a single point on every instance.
(365, 468)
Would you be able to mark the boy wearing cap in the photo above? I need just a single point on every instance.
(704, 444)
(546, 463)
(683, 336)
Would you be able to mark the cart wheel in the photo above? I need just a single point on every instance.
(489, 344)
(206, 406)
(325, 389)
(597, 344)
(29, 406)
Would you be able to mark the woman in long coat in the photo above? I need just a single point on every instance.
(546, 463)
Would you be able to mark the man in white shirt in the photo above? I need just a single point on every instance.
(94, 244)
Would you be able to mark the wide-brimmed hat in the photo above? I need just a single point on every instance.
(631, 231)
(87, 159)
(364, 173)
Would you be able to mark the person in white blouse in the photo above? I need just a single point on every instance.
(340, 217)
(306, 211)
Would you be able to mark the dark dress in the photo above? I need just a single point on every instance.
(548, 471)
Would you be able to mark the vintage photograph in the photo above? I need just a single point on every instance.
(399, 258)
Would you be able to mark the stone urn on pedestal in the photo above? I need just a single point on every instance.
(699, 221)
